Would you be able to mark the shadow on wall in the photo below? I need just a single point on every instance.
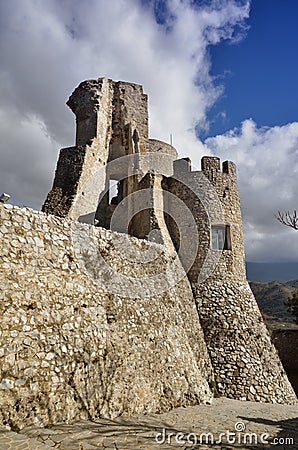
(286, 342)
(293, 378)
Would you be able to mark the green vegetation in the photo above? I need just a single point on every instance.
(294, 284)
(213, 388)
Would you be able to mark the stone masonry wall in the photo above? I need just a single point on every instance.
(109, 115)
(72, 346)
(286, 342)
(246, 364)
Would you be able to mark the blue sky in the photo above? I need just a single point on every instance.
(259, 73)
(221, 77)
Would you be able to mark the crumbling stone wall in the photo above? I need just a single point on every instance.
(112, 121)
(73, 348)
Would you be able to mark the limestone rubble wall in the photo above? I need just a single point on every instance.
(245, 362)
(71, 346)
(286, 342)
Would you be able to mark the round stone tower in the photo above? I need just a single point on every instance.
(245, 362)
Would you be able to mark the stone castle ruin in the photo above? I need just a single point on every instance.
(128, 293)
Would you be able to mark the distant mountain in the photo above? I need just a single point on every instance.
(266, 272)
(271, 299)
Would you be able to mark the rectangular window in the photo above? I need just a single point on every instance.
(220, 237)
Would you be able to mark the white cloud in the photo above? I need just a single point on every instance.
(28, 157)
(267, 160)
(48, 47)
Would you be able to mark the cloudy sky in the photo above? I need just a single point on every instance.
(221, 76)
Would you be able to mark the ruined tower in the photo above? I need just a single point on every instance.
(106, 166)
(196, 213)
(245, 363)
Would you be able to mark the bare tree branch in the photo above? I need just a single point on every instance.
(290, 219)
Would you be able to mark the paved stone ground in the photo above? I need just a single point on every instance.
(280, 422)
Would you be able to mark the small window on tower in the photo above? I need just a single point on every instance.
(220, 237)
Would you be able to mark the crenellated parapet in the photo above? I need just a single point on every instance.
(212, 196)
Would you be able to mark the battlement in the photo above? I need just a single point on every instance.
(211, 194)
(182, 166)
(209, 165)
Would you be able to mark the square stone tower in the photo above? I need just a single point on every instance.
(112, 121)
